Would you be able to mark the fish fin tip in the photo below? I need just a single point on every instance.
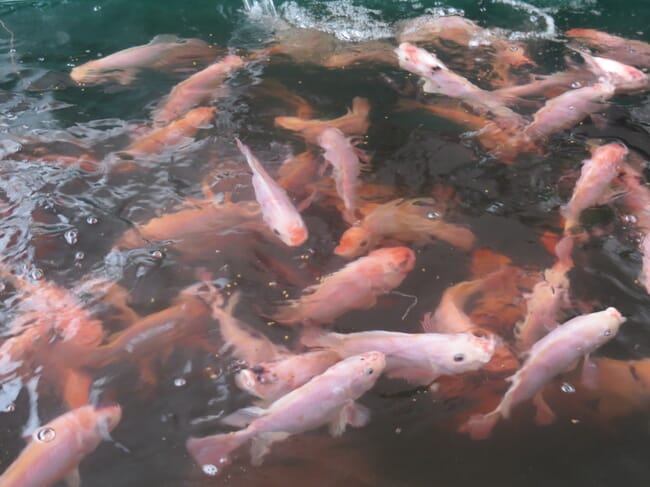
(261, 445)
(73, 479)
(244, 417)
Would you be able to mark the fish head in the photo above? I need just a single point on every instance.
(294, 235)
(614, 151)
(355, 241)
(611, 323)
(200, 116)
(85, 74)
(364, 370)
(400, 259)
(107, 418)
(417, 60)
(260, 381)
(468, 351)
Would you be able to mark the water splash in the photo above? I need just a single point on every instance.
(260, 8)
(535, 15)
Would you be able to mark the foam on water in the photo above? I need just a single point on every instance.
(341, 18)
(535, 15)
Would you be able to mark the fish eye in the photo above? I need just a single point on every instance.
(607, 332)
(276, 231)
(459, 357)
(369, 371)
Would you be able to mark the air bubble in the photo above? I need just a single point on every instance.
(157, 254)
(180, 382)
(71, 236)
(433, 215)
(576, 84)
(210, 469)
(79, 255)
(97, 8)
(10, 408)
(36, 274)
(91, 220)
(46, 434)
(567, 388)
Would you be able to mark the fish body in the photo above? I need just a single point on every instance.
(55, 450)
(176, 132)
(356, 286)
(201, 87)
(627, 79)
(596, 175)
(164, 52)
(550, 356)
(278, 211)
(628, 51)
(271, 380)
(419, 358)
(340, 153)
(439, 79)
(417, 221)
(328, 398)
(355, 122)
(565, 111)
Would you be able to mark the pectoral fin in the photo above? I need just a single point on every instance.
(73, 479)
(544, 414)
(262, 445)
(589, 376)
(351, 414)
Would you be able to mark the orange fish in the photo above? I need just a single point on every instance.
(416, 221)
(355, 122)
(55, 450)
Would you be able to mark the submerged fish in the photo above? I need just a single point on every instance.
(201, 87)
(419, 358)
(356, 286)
(416, 221)
(327, 399)
(271, 380)
(55, 450)
(340, 153)
(163, 53)
(278, 211)
(176, 132)
(355, 122)
(550, 356)
(596, 175)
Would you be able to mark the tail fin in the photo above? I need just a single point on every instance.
(212, 452)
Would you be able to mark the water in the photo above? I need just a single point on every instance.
(60, 224)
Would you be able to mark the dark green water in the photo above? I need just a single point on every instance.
(507, 208)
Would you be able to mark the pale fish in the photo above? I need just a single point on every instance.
(555, 353)
(356, 286)
(327, 399)
(278, 211)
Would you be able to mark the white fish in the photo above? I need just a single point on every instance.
(326, 399)
(550, 356)
(419, 358)
(278, 211)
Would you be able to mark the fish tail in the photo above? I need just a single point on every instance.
(212, 453)
(290, 123)
(480, 426)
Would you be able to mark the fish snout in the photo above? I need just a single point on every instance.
(374, 362)
(109, 416)
(403, 258)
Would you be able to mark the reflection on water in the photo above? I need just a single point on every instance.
(74, 228)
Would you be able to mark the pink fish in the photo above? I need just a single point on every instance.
(327, 399)
(417, 221)
(596, 175)
(626, 79)
(340, 153)
(271, 380)
(163, 53)
(247, 344)
(636, 53)
(278, 211)
(565, 111)
(55, 449)
(439, 79)
(356, 286)
(419, 358)
(355, 122)
(450, 316)
(550, 356)
(546, 300)
(204, 86)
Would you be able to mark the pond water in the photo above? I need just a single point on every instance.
(61, 223)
